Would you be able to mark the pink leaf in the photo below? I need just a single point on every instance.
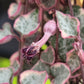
(15, 10)
(33, 77)
(27, 24)
(6, 33)
(68, 25)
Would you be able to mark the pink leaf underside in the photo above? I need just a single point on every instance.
(27, 73)
(26, 28)
(14, 12)
(14, 57)
(61, 73)
(45, 53)
(14, 61)
(63, 33)
(6, 33)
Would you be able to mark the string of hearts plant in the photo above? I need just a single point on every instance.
(55, 23)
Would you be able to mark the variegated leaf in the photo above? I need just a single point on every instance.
(68, 26)
(64, 46)
(73, 60)
(61, 72)
(5, 75)
(27, 24)
(40, 66)
(33, 77)
(5, 33)
(15, 10)
(48, 56)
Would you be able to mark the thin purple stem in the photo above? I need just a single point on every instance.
(83, 4)
(75, 76)
(57, 32)
(76, 70)
(70, 6)
(21, 44)
(74, 2)
(57, 37)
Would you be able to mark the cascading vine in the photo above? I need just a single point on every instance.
(41, 23)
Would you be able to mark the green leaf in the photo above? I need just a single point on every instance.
(27, 24)
(72, 60)
(15, 10)
(64, 46)
(48, 56)
(4, 62)
(61, 72)
(15, 80)
(5, 33)
(48, 81)
(79, 13)
(44, 47)
(40, 66)
(33, 77)
(5, 75)
(68, 26)
(75, 9)
(48, 3)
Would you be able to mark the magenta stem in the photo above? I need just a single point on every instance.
(17, 37)
(83, 4)
(21, 44)
(70, 6)
(44, 39)
(77, 75)
(76, 70)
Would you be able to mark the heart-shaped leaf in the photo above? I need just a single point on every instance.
(61, 72)
(15, 10)
(14, 56)
(79, 13)
(14, 61)
(15, 66)
(48, 56)
(5, 33)
(69, 26)
(27, 24)
(72, 60)
(5, 75)
(40, 66)
(64, 46)
(33, 77)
